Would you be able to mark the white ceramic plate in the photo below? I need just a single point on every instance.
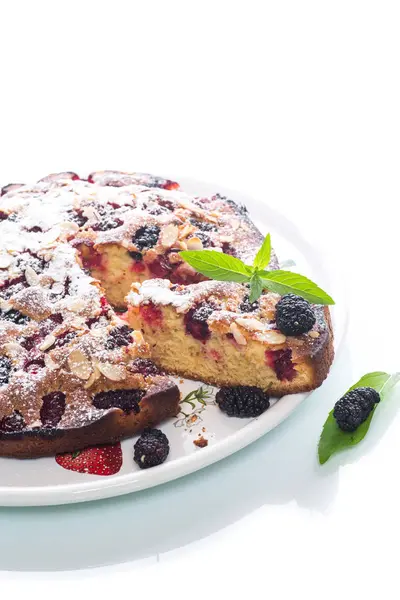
(44, 482)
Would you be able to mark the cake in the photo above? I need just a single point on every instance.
(76, 368)
(72, 372)
(210, 331)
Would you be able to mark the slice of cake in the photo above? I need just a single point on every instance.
(210, 331)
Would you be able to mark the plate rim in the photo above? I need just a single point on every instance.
(101, 488)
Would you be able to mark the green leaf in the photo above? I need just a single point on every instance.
(217, 265)
(256, 287)
(75, 454)
(286, 282)
(333, 439)
(263, 256)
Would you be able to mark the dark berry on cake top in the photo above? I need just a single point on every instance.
(355, 407)
(242, 401)
(196, 321)
(126, 400)
(146, 236)
(119, 336)
(151, 449)
(53, 408)
(12, 423)
(5, 369)
(294, 315)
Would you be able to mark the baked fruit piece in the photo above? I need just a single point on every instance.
(210, 331)
(72, 372)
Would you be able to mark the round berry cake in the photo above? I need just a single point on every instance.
(76, 368)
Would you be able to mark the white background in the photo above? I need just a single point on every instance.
(302, 100)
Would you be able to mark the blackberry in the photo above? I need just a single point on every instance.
(146, 236)
(203, 225)
(64, 338)
(126, 400)
(5, 369)
(145, 367)
(355, 407)
(33, 365)
(294, 315)
(205, 238)
(242, 401)
(151, 449)
(196, 321)
(247, 307)
(119, 336)
(135, 255)
(14, 316)
(13, 423)
(107, 222)
(53, 408)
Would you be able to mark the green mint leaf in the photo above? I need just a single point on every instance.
(286, 282)
(263, 256)
(217, 265)
(333, 439)
(256, 287)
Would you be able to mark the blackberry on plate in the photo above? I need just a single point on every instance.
(13, 423)
(146, 236)
(14, 316)
(126, 400)
(5, 368)
(242, 401)
(355, 407)
(151, 449)
(294, 315)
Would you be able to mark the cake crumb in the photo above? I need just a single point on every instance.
(201, 442)
(203, 429)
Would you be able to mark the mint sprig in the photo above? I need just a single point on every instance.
(333, 439)
(223, 267)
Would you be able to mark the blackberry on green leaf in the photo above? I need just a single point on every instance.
(355, 407)
(294, 315)
(242, 401)
(151, 449)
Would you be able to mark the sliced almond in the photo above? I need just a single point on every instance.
(174, 258)
(113, 372)
(79, 364)
(138, 337)
(239, 337)
(251, 324)
(47, 343)
(169, 235)
(274, 337)
(50, 363)
(91, 379)
(185, 230)
(226, 238)
(58, 288)
(76, 305)
(183, 245)
(5, 261)
(314, 334)
(194, 243)
(51, 236)
(69, 228)
(31, 276)
(234, 224)
(12, 348)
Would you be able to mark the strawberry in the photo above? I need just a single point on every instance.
(98, 460)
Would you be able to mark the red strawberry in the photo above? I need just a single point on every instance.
(98, 460)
